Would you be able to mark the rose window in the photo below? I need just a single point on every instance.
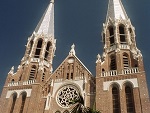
(66, 95)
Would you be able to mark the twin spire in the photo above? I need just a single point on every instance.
(46, 24)
(116, 11)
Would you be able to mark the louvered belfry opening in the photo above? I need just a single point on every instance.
(122, 34)
(32, 73)
(111, 36)
(113, 65)
(47, 51)
(125, 61)
(38, 48)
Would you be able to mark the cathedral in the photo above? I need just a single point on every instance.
(119, 85)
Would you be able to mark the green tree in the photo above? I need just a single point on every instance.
(80, 108)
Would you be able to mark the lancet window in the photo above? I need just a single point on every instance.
(30, 48)
(32, 73)
(111, 35)
(129, 100)
(14, 98)
(122, 34)
(47, 51)
(38, 48)
(125, 61)
(24, 95)
(113, 65)
(116, 100)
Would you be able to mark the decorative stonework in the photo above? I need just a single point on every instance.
(66, 95)
(107, 84)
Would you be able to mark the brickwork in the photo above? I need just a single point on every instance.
(120, 74)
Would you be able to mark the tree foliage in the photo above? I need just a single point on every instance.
(80, 108)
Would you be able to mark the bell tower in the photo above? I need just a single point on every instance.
(24, 87)
(40, 48)
(120, 70)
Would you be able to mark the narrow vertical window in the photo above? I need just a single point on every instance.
(14, 98)
(122, 34)
(32, 73)
(31, 44)
(116, 100)
(38, 48)
(71, 75)
(113, 63)
(111, 35)
(67, 76)
(129, 100)
(131, 35)
(24, 95)
(125, 61)
(47, 51)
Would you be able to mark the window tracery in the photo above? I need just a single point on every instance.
(66, 95)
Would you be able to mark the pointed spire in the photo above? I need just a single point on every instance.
(116, 10)
(46, 24)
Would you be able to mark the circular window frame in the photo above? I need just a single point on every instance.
(61, 92)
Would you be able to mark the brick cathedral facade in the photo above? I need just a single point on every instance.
(119, 85)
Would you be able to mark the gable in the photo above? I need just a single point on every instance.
(71, 69)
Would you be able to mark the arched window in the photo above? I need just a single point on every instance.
(12, 81)
(67, 76)
(47, 50)
(38, 48)
(111, 35)
(71, 76)
(14, 98)
(32, 73)
(122, 34)
(113, 65)
(103, 70)
(131, 35)
(116, 99)
(66, 111)
(125, 61)
(31, 44)
(129, 100)
(24, 95)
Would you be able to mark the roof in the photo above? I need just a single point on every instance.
(116, 10)
(46, 24)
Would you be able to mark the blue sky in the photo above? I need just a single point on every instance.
(76, 21)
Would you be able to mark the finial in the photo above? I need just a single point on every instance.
(11, 70)
(98, 58)
(52, 1)
(72, 51)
